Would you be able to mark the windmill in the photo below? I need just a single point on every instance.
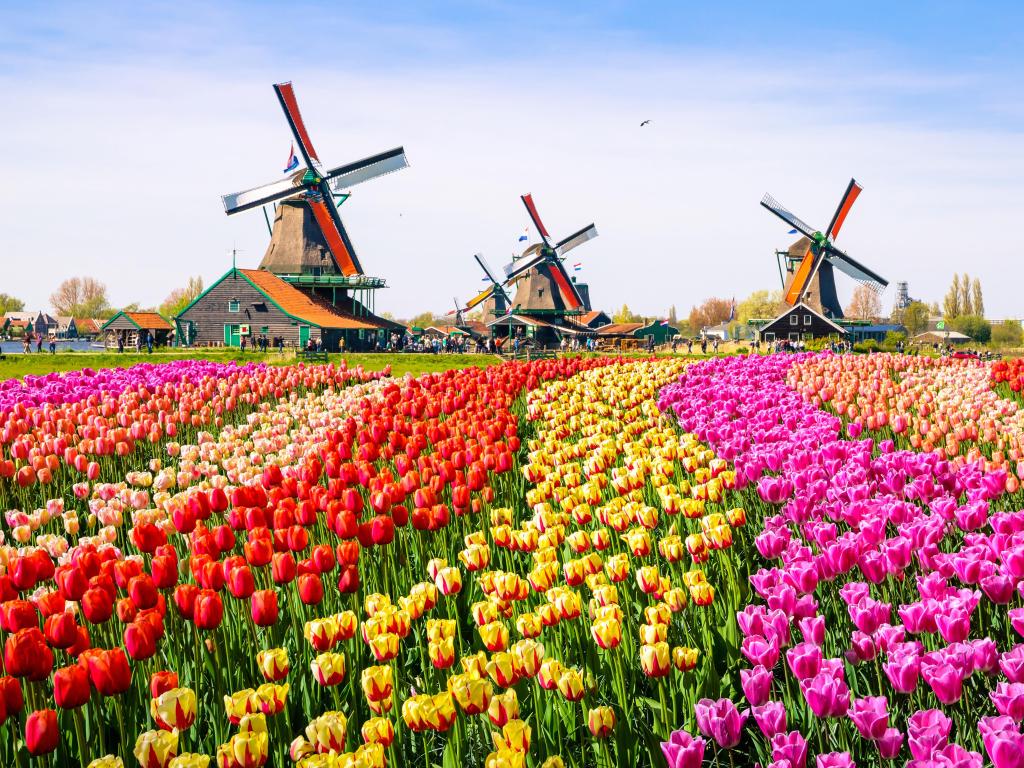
(457, 312)
(811, 260)
(309, 208)
(495, 291)
(545, 259)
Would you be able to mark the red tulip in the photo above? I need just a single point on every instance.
(18, 614)
(311, 589)
(162, 681)
(27, 655)
(142, 591)
(139, 640)
(71, 581)
(240, 582)
(126, 610)
(264, 607)
(41, 732)
(22, 571)
(61, 630)
(209, 610)
(108, 670)
(165, 571)
(49, 603)
(97, 605)
(283, 568)
(323, 557)
(185, 599)
(10, 692)
(348, 581)
(71, 687)
(259, 551)
(348, 553)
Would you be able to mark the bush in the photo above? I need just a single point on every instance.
(817, 345)
(978, 328)
(866, 346)
(892, 340)
(1007, 334)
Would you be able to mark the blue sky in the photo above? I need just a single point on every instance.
(144, 113)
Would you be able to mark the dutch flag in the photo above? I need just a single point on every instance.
(293, 161)
(578, 266)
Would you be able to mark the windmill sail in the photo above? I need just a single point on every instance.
(845, 204)
(787, 216)
(286, 95)
(576, 239)
(347, 176)
(855, 269)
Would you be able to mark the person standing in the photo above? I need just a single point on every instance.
(53, 345)
(39, 343)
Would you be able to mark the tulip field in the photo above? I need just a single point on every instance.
(783, 560)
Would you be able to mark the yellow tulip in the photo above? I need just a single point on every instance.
(175, 708)
(494, 636)
(244, 750)
(327, 732)
(272, 698)
(441, 652)
(438, 629)
(273, 663)
(505, 758)
(384, 647)
(684, 658)
(570, 684)
(473, 694)
(601, 722)
(155, 749)
(503, 707)
(607, 633)
(241, 703)
(329, 668)
(529, 625)
(256, 723)
(375, 602)
(376, 682)
(378, 730)
(107, 761)
(501, 668)
(654, 659)
(188, 760)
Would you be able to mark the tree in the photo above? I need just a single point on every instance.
(966, 302)
(180, 298)
(9, 303)
(1008, 334)
(978, 328)
(977, 300)
(952, 305)
(865, 304)
(672, 318)
(759, 305)
(711, 312)
(625, 315)
(422, 320)
(80, 297)
(915, 317)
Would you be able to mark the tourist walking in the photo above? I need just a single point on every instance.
(39, 343)
(53, 346)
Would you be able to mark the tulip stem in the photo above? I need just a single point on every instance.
(83, 745)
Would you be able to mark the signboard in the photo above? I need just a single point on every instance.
(243, 330)
(941, 325)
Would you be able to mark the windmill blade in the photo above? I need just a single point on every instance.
(532, 210)
(854, 269)
(286, 95)
(347, 176)
(589, 232)
(264, 195)
(801, 277)
(566, 287)
(787, 216)
(517, 268)
(486, 268)
(480, 298)
(329, 221)
(845, 204)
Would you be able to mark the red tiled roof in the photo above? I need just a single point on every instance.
(619, 329)
(149, 320)
(299, 305)
(87, 325)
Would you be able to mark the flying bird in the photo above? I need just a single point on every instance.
(645, 122)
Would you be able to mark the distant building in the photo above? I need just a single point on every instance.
(800, 323)
(872, 332)
(595, 318)
(942, 337)
(131, 326)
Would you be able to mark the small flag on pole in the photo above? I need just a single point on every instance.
(665, 323)
(293, 161)
(578, 266)
(524, 237)
(792, 231)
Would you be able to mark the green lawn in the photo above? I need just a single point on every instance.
(17, 365)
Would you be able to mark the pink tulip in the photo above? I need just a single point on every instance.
(804, 660)
(756, 684)
(827, 696)
(791, 748)
(871, 716)
(683, 750)
(835, 759)
(945, 681)
(927, 732)
(890, 744)
(720, 720)
(770, 718)
(1009, 700)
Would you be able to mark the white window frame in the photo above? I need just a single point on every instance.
(234, 306)
(807, 319)
(794, 320)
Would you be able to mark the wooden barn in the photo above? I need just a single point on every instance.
(800, 323)
(253, 303)
(129, 326)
